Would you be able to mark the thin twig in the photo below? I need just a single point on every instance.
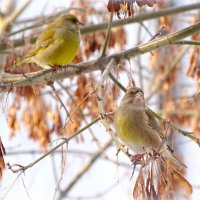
(136, 18)
(146, 28)
(17, 80)
(78, 106)
(63, 162)
(77, 153)
(171, 125)
(159, 33)
(54, 165)
(100, 101)
(188, 42)
(27, 193)
(51, 84)
(82, 101)
(99, 194)
(65, 141)
(166, 74)
(13, 16)
(139, 58)
(167, 122)
(182, 112)
(80, 111)
(117, 82)
(9, 189)
(107, 35)
(85, 168)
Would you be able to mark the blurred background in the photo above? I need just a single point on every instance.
(31, 118)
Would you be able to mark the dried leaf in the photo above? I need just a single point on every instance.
(75, 123)
(159, 179)
(57, 121)
(2, 153)
(113, 6)
(181, 185)
(81, 92)
(35, 119)
(12, 117)
(139, 190)
(164, 181)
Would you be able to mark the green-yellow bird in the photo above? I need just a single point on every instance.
(57, 45)
(137, 127)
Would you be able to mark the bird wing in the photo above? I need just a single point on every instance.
(152, 122)
(45, 39)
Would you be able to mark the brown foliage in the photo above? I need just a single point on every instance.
(127, 6)
(17, 55)
(161, 59)
(2, 153)
(37, 116)
(30, 109)
(184, 105)
(194, 69)
(35, 119)
(159, 179)
(77, 105)
(85, 99)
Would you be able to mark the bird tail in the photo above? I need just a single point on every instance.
(25, 60)
(175, 161)
(18, 63)
(170, 180)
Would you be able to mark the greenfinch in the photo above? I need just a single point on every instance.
(137, 127)
(57, 45)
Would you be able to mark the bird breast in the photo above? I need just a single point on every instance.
(132, 128)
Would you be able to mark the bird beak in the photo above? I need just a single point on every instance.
(80, 23)
(140, 94)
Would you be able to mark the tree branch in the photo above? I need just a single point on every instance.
(135, 19)
(85, 168)
(167, 72)
(42, 77)
(66, 140)
(100, 100)
(8, 20)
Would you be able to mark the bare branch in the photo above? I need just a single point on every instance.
(41, 77)
(167, 72)
(65, 141)
(100, 100)
(85, 168)
(8, 20)
(107, 36)
(136, 18)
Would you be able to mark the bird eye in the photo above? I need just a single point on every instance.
(74, 20)
(135, 92)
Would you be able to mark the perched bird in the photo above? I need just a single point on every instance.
(137, 127)
(57, 45)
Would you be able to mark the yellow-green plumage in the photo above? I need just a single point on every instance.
(131, 124)
(57, 44)
(137, 127)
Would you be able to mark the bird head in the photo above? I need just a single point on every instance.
(71, 21)
(135, 96)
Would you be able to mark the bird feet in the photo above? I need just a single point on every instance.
(136, 159)
(56, 67)
(59, 67)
